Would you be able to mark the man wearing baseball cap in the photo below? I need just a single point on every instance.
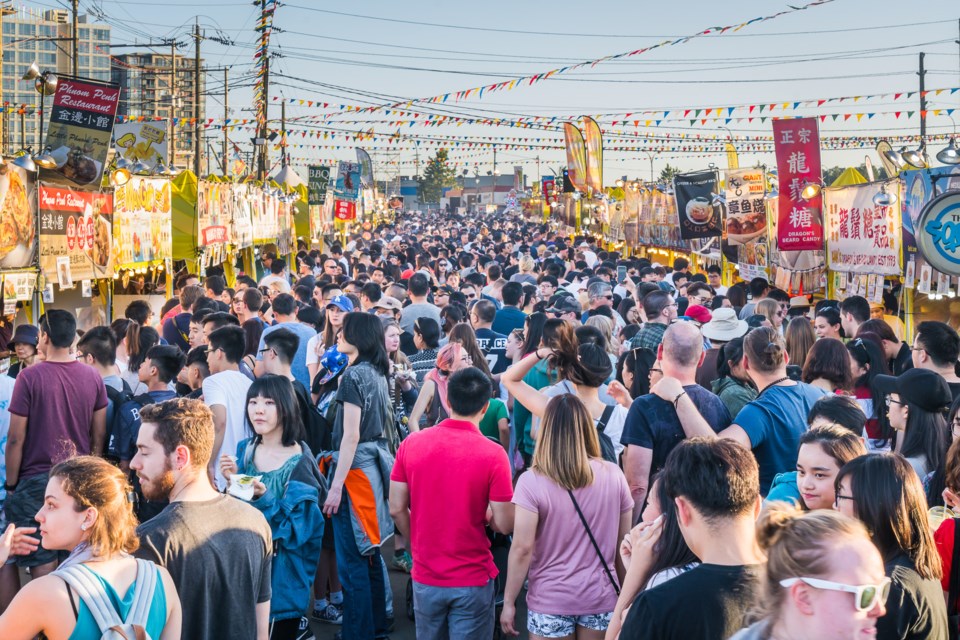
(565, 307)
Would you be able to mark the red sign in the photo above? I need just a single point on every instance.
(799, 221)
(214, 235)
(549, 184)
(344, 210)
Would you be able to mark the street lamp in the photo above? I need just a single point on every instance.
(45, 82)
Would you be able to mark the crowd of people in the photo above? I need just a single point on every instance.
(637, 450)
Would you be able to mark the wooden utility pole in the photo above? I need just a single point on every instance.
(75, 36)
(173, 103)
(197, 146)
(923, 103)
(283, 133)
(226, 116)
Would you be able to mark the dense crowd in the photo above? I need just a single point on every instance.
(638, 450)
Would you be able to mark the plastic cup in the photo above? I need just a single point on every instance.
(936, 516)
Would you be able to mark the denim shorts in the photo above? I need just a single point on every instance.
(20, 508)
(548, 625)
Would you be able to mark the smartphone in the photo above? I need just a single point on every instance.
(621, 273)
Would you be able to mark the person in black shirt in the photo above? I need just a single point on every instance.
(937, 348)
(716, 486)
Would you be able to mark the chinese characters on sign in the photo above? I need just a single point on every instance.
(318, 179)
(344, 210)
(77, 225)
(799, 223)
(745, 227)
(81, 127)
(862, 237)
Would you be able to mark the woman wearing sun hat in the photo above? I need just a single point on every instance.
(723, 327)
(24, 343)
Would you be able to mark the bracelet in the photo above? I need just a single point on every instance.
(677, 399)
(10, 487)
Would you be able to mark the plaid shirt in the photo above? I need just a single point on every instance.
(649, 337)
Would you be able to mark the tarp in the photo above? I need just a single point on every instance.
(301, 214)
(849, 177)
(185, 217)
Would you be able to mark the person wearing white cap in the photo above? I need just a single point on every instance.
(722, 328)
(588, 255)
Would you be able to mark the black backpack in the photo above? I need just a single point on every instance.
(118, 397)
(607, 449)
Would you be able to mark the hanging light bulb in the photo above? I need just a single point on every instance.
(25, 162)
(811, 190)
(138, 168)
(120, 177)
(914, 157)
(894, 157)
(45, 160)
(883, 198)
(950, 154)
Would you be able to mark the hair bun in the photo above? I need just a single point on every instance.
(772, 348)
(776, 518)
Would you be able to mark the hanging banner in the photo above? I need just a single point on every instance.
(366, 167)
(242, 225)
(18, 206)
(700, 207)
(548, 185)
(81, 127)
(143, 141)
(799, 221)
(746, 221)
(214, 212)
(142, 221)
(733, 158)
(266, 225)
(518, 181)
(395, 203)
(659, 224)
(75, 234)
(593, 141)
(576, 157)
(344, 210)
(318, 178)
(286, 238)
(348, 181)
(861, 236)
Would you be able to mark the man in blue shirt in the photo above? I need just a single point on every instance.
(510, 317)
(285, 311)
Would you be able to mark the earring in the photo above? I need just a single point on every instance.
(83, 527)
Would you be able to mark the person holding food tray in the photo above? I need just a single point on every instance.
(287, 488)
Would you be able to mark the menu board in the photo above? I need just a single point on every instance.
(243, 197)
(75, 234)
(214, 212)
(142, 221)
(18, 206)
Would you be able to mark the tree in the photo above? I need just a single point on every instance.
(437, 175)
(668, 173)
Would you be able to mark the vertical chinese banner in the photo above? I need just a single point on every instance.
(799, 221)
(344, 210)
(81, 127)
(548, 184)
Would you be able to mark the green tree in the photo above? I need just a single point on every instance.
(668, 173)
(437, 175)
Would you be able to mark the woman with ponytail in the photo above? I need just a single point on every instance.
(824, 578)
(137, 341)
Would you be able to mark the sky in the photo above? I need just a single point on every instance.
(377, 52)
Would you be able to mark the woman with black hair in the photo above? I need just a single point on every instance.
(827, 323)
(867, 362)
(884, 493)
(358, 431)
(828, 366)
(733, 387)
(915, 403)
(633, 370)
(288, 493)
(532, 332)
(137, 342)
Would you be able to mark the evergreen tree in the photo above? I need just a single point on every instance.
(437, 175)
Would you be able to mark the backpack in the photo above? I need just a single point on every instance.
(98, 602)
(118, 397)
(607, 449)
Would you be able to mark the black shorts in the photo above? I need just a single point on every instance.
(327, 541)
(20, 508)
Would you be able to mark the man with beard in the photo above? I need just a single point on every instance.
(217, 548)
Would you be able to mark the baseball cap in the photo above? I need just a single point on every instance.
(333, 362)
(698, 313)
(341, 302)
(388, 302)
(565, 304)
(921, 387)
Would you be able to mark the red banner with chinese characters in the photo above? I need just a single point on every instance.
(344, 210)
(799, 221)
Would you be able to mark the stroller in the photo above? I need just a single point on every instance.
(500, 548)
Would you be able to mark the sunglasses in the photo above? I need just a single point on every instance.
(866, 596)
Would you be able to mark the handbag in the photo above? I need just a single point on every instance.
(953, 592)
(596, 547)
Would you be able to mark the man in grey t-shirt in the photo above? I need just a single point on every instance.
(418, 287)
(217, 548)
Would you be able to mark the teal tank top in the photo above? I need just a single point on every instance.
(87, 629)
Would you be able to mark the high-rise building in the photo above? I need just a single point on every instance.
(145, 90)
(44, 37)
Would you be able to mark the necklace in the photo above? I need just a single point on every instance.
(772, 384)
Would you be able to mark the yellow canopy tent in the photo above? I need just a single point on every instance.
(184, 218)
(849, 177)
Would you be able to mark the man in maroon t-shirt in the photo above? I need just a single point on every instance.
(446, 482)
(58, 410)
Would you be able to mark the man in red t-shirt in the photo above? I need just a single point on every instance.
(447, 483)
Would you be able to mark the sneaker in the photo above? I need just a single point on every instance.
(331, 615)
(305, 633)
(403, 561)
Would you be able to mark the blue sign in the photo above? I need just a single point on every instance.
(938, 234)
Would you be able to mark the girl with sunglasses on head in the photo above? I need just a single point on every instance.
(823, 580)
(884, 493)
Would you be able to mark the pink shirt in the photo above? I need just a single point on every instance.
(452, 472)
(566, 576)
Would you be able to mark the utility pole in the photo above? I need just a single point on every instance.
(264, 150)
(173, 103)
(283, 133)
(226, 116)
(923, 104)
(76, 39)
(197, 145)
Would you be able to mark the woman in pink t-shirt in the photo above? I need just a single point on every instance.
(573, 508)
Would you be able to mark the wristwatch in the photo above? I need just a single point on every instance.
(9, 487)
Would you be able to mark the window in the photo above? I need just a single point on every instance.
(101, 35)
(27, 29)
(9, 28)
(8, 56)
(48, 59)
(84, 33)
(84, 61)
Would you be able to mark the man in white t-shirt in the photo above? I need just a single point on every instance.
(225, 392)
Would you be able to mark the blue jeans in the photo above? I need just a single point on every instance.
(364, 604)
(453, 612)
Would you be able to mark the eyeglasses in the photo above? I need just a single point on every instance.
(866, 596)
(264, 350)
(656, 371)
(890, 401)
(81, 355)
(836, 500)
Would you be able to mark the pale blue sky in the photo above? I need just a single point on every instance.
(847, 47)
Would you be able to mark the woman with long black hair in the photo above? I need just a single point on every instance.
(867, 362)
(358, 430)
(288, 494)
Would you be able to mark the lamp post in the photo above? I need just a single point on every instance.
(44, 82)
